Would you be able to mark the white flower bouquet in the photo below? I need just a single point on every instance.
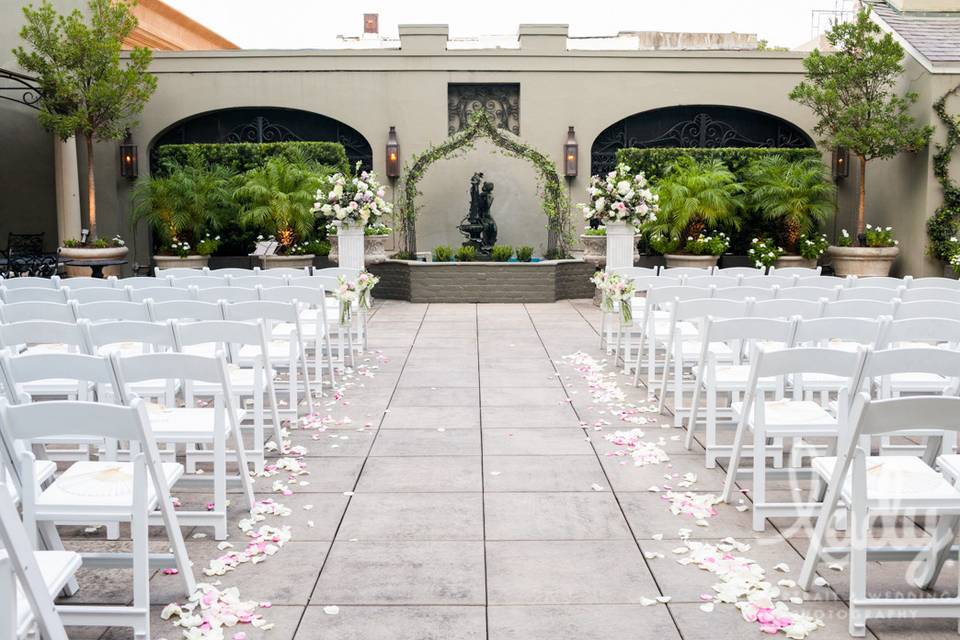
(366, 281)
(355, 201)
(615, 291)
(620, 196)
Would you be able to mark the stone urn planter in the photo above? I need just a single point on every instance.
(195, 261)
(292, 262)
(862, 261)
(87, 253)
(785, 262)
(684, 260)
(375, 249)
(594, 250)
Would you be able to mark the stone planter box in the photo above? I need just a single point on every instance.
(683, 260)
(176, 262)
(83, 253)
(291, 262)
(785, 262)
(862, 261)
(498, 282)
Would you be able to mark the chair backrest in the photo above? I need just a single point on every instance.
(32, 282)
(230, 294)
(281, 272)
(712, 281)
(935, 283)
(750, 329)
(876, 417)
(162, 294)
(179, 272)
(86, 282)
(801, 272)
(24, 311)
(32, 294)
(336, 272)
(810, 293)
(97, 295)
(785, 308)
(865, 331)
(313, 297)
(19, 370)
(112, 310)
(232, 272)
(860, 308)
(249, 282)
(144, 282)
(635, 272)
(42, 332)
(746, 272)
(148, 334)
(928, 309)
(742, 293)
(940, 362)
(881, 281)
(169, 366)
(923, 329)
(883, 294)
(930, 293)
(20, 559)
(824, 282)
(190, 310)
(200, 282)
(801, 360)
(768, 281)
(330, 284)
(674, 272)
(220, 332)
(658, 295)
(701, 308)
(261, 310)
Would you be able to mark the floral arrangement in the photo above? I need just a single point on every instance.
(366, 281)
(708, 245)
(812, 247)
(763, 252)
(358, 291)
(208, 246)
(879, 236)
(620, 196)
(181, 249)
(352, 201)
(98, 243)
(614, 291)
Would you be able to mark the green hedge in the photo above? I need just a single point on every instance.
(244, 156)
(654, 162)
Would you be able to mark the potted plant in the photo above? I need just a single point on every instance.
(351, 204)
(797, 198)
(279, 196)
(98, 249)
(764, 253)
(809, 249)
(87, 88)
(620, 201)
(181, 204)
(695, 196)
(853, 93)
(873, 258)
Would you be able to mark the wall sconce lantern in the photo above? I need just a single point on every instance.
(128, 158)
(841, 163)
(571, 154)
(393, 154)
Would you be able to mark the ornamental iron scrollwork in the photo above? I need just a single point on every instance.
(500, 100)
(261, 130)
(19, 88)
(695, 126)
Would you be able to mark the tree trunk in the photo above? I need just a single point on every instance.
(862, 195)
(91, 190)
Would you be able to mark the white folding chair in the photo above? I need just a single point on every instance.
(86, 282)
(162, 294)
(676, 272)
(871, 487)
(187, 310)
(884, 282)
(330, 284)
(740, 336)
(52, 282)
(92, 294)
(787, 418)
(814, 294)
(191, 426)
(635, 272)
(916, 293)
(800, 272)
(144, 282)
(934, 283)
(612, 318)
(110, 310)
(200, 282)
(313, 322)
(743, 293)
(861, 308)
(26, 311)
(745, 272)
(823, 282)
(654, 328)
(881, 294)
(33, 294)
(336, 272)
(46, 336)
(282, 272)
(180, 272)
(232, 272)
(785, 309)
(260, 280)
(228, 294)
(768, 281)
(712, 281)
(928, 309)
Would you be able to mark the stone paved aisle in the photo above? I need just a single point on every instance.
(469, 507)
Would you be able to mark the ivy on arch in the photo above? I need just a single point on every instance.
(945, 222)
(482, 125)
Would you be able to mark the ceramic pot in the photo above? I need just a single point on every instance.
(862, 261)
(85, 253)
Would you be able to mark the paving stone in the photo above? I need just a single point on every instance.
(580, 622)
(542, 473)
(422, 417)
(413, 516)
(427, 442)
(535, 442)
(394, 623)
(554, 516)
(424, 474)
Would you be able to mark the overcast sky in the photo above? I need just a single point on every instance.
(296, 24)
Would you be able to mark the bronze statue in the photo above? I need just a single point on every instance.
(478, 226)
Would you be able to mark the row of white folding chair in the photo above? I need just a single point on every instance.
(240, 272)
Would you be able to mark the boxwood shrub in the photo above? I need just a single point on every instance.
(655, 161)
(243, 156)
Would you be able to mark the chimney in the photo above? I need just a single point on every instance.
(371, 23)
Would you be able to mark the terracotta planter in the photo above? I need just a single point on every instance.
(374, 249)
(594, 250)
(292, 262)
(176, 262)
(784, 262)
(862, 261)
(83, 253)
(683, 260)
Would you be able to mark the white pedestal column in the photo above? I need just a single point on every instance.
(350, 246)
(620, 237)
(67, 180)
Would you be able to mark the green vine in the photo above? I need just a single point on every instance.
(945, 222)
(481, 125)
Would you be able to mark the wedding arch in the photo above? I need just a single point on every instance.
(482, 125)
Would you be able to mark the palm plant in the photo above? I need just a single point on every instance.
(183, 202)
(280, 195)
(695, 196)
(796, 196)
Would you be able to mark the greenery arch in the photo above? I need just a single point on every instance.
(481, 125)
(945, 222)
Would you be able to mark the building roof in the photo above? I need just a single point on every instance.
(162, 28)
(932, 37)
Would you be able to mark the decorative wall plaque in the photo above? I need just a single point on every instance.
(501, 100)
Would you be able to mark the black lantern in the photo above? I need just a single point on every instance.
(571, 154)
(393, 154)
(841, 163)
(128, 158)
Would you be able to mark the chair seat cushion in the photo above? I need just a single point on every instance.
(894, 482)
(100, 487)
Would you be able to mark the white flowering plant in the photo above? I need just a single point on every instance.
(764, 252)
(844, 239)
(208, 245)
(352, 201)
(180, 248)
(812, 246)
(879, 236)
(615, 291)
(953, 251)
(620, 196)
(707, 244)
